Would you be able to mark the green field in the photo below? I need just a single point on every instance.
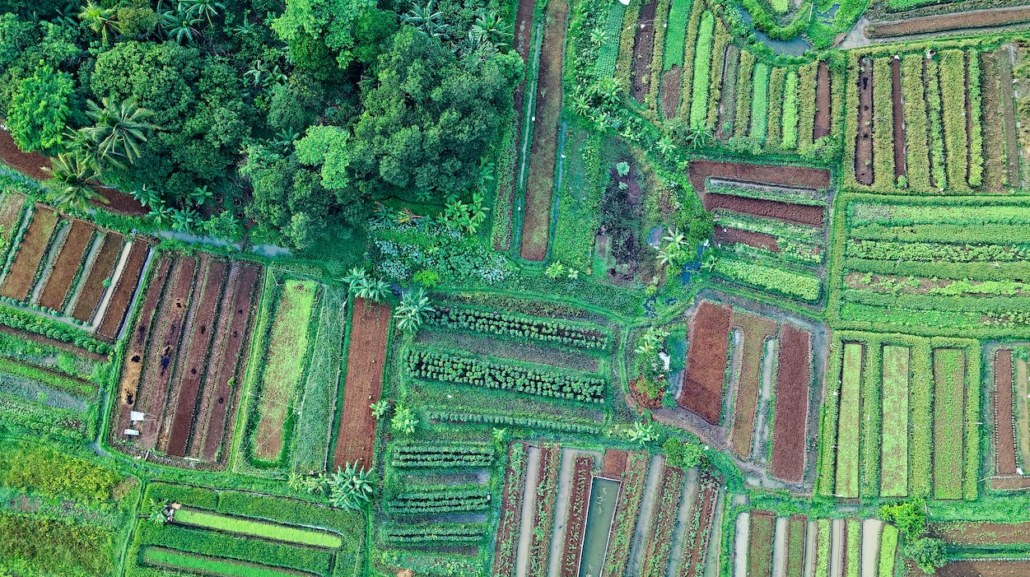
(848, 435)
(894, 471)
(256, 528)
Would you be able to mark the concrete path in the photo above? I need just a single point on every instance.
(871, 546)
(740, 545)
(838, 544)
(763, 426)
(528, 511)
(780, 548)
(811, 547)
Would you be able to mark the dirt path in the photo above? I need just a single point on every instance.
(49, 262)
(682, 521)
(811, 548)
(759, 452)
(561, 509)
(640, 534)
(713, 559)
(838, 544)
(528, 511)
(870, 546)
(740, 544)
(1022, 414)
(780, 548)
(1004, 57)
(864, 138)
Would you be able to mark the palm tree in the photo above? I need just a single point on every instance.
(206, 8)
(428, 20)
(413, 310)
(374, 290)
(489, 27)
(147, 196)
(180, 25)
(70, 184)
(99, 19)
(119, 129)
(350, 488)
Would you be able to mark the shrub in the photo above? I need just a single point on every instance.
(435, 455)
(742, 118)
(953, 91)
(54, 546)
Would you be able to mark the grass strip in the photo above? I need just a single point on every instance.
(257, 528)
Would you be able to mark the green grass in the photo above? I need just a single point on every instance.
(888, 550)
(37, 546)
(208, 565)
(676, 33)
(790, 111)
(318, 404)
(949, 367)
(894, 461)
(702, 69)
(257, 529)
(760, 102)
(780, 6)
(284, 367)
(848, 423)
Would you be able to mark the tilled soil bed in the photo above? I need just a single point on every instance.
(22, 274)
(669, 93)
(614, 463)
(543, 517)
(1004, 434)
(864, 137)
(92, 287)
(642, 51)
(124, 290)
(727, 236)
(31, 164)
(700, 171)
(823, 99)
(366, 354)
(67, 265)
(982, 534)
(511, 515)
(790, 415)
(946, 22)
(796, 213)
(756, 331)
(706, 362)
(575, 525)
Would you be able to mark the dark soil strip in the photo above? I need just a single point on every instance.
(790, 415)
(121, 299)
(993, 126)
(139, 337)
(100, 271)
(728, 236)
(30, 254)
(899, 119)
(642, 49)
(614, 463)
(196, 360)
(67, 265)
(158, 363)
(1009, 107)
(945, 22)
(728, 101)
(761, 535)
(28, 163)
(1004, 434)
(119, 202)
(702, 512)
(706, 362)
(536, 223)
(797, 213)
(47, 341)
(669, 94)
(864, 136)
(231, 361)
(700, 171)
(366, 355)
(823, 98)
(575, 524)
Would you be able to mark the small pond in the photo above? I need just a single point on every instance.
(603, 497)
(796, 46)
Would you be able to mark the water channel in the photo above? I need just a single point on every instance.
(603, 496)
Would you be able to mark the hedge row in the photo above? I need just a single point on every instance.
(697, 8)
(742, 118)
(917, 151)
(806, 81)
(428, 455)
(509, 420)
(460, 368)
(459, 500)
(777, 85)
(760, 103)
(936, 252)
(17, 319)
(559, 332)
(976, 138)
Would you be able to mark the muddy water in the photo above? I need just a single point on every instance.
(603, 497)
(740, 545)
(870, 546)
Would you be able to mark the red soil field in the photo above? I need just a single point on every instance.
(976, 568)
(158, 362)
(864, 137)
(543, 518)
(44, 340)
(536, 213)
(703, 509)
(93, 288)
(727, 236)
(575, 524)
(798, 213)
(128, 389)
(669, 93)
(898, 110)
(614, 463)
(945, 22)
(366, 354)
(510, 520)
(823, 101)
(756, 331)
(119, 201)
(66, 265)
(706, 361)
(1004, 434)
(125, 288)
(27, 163)
(30, 254)
(790, 415)
(229, 358)
(642, 48)
(196, 357)
(700, 171)
(983, 534)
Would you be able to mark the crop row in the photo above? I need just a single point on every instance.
(436, 533)
(514, 325)
(428, 455)
(448, 501)
(511, 512)
(765, 192)
(626, 510)
(178, 561)
(776, 280)
(543, 516)
(886, 250)
(663, 521)
(458, 368)
(509, 420)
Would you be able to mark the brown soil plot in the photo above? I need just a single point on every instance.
(706, 362)
(536, 213)
(100, 271)
(366, 354)
(946, 22)
(614, 463)
(727, 236)
(976, 568)
(993, 130)
(642, 48)
(762, 531)
(982, 534)
(575, 524)
(124, 290)
(796, 213)
(790, 415)
(898, 110)
(1004, 434)
(196, 358)
(28, 163)
(229, 354)
(700, 171)
(864, 136)
(669, 93)
(30, 254)
(756, 331)
(67, 265)
(823, 98)
(1014, 483)
(510, 517)
(11, 205)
